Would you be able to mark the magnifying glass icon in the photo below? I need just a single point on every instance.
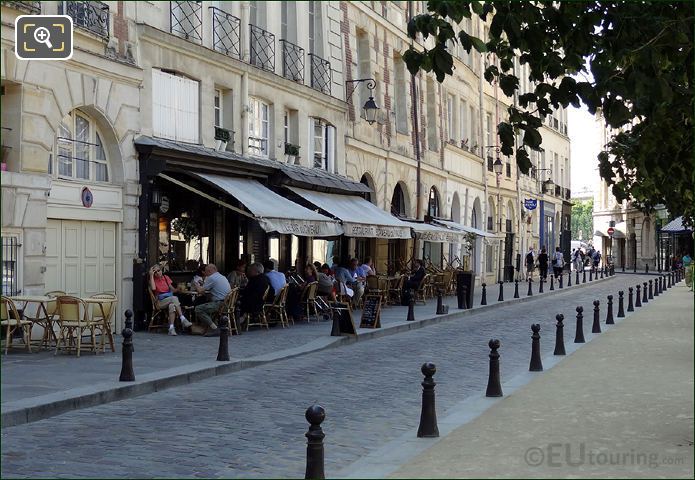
(42, 35)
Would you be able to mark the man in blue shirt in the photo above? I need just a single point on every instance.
(277, 279)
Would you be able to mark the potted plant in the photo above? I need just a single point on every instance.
(222, 135)
(291, 153)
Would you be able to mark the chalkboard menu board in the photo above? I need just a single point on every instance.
(371, 312)
(345, 322)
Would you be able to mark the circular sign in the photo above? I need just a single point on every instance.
(87, 197)
(611, 230)
(164, 206)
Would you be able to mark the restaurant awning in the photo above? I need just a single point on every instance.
(360, 218)
(676, 226)
(273, 212)
(464, 228)
(430, 232)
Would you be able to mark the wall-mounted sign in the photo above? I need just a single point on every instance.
(87, 197)
(164, 206)
(530, 203)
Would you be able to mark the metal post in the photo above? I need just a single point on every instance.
(540, 285)
(638, 297)
(630, 306)
(559, 335)
(315, 415)
(591, 275)
(536, 365)
(428, 415)
(500, 298)
(645, 299)
(596, 326)
(657, 289)
(411, 307)
(223, 350)
(584, 276)
(552, 283)
(569, 278)
(579, 333)
(559, 280)
(609, 311)
(127, 373)
(440, 305)
(483, 299)
(494, 387)
(576, 278)
(516, 288)
(651, 296)
(530, 289)
(621, 309)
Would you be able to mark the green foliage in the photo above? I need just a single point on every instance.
(582, 220)
(291, 149)
(222, 134)
(187, 227)
(640, 55)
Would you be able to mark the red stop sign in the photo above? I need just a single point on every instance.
(611, 230)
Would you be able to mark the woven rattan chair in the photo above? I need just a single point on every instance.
(11, 320)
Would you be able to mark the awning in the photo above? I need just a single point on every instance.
(430, 232)
(464, 228)
(360, 218)
(676, 226)
(273, 212)
(618, 230)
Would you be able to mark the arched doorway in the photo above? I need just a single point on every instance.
(399, 205)
(433, 251)
(397, 249)
(433, 203)
(368, 181)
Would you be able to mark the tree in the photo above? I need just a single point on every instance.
(582, 220)
(639, 55)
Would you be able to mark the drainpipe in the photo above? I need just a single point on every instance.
(416, 129)
(481, 142)
(244, 100)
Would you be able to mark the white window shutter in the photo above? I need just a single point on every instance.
(310, 145)
(163, 105)
(187, 123)
(330, 148)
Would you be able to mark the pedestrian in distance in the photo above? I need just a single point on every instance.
(530, 264)
(558, 262)
(543, 264)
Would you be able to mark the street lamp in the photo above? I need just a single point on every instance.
(497, 166)
(370, 107)
(547, 185)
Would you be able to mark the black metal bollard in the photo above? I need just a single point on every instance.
(661, 285)
(602, 271)
(596, 326)
(630, 306)
(428, 415)
(127, 373)
(500, 297)
(411, 307)
(536, 365)
(657, 289)
(609, 311)
(584, 276)
(621, 301)
(634, 267)
(552, 284)
(516, 288)
(440, 305)
(638, 297)
(315, 415)
(530, 290)
(644, 293)
(668, 280)
(623, 268)
(559, 335)
(569, 278)
(576, 278)
(579, 333)
(646, 268)
(483, 299)
(223, 349)
(494, 387)
(659, 267)
(651, 296)
(591, 274)
(559, 280)
(540, 285)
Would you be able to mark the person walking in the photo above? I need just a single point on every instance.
(530, 264)
(543, 264)
(558, 262)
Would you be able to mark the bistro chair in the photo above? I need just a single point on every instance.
(101, 315)
(159, 318)
(395, 290)
(421, 292)
(73, 324)
(228, 307)
(276, 309)
(257, 319)
(374, 285)
(309, 301)
(11, 320)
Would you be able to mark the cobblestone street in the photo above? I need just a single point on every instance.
(251, 423)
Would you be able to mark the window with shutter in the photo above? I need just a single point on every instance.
(175, 107)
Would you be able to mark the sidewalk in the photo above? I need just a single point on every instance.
(40, 385)
(621, 407)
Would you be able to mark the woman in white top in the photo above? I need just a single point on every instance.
(558, 262)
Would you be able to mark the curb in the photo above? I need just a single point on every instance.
(45, 406)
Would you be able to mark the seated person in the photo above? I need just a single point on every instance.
(416, 278)
(335, 265)
(164, 292)
(317, 264)
(310, 273)
(367, 267)
(238, 276)
(217, 287)
(326, 281)
(277, 280)
(198, 279)
(350, 279)
(253, 294)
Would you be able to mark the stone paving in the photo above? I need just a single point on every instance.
(251, 423)
(32, 375)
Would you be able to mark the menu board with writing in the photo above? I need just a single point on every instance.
(371, 312)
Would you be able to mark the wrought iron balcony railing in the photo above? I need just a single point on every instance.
(292, 61)
(33, 8)
(90, 16)
(262, 48)
(320, 74)
(568, 194)
(186, 20)
(226, 30)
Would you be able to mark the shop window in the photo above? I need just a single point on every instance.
(259, 126)
(175, 107)
(80, 150)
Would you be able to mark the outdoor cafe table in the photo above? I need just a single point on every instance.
(41, 317)
(106, 330)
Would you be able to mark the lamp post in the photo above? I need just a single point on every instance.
(370, 107)
(497, 168)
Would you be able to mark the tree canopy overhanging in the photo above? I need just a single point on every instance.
(640, 56)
